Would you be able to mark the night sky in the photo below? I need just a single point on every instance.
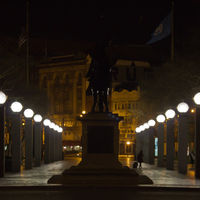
(88, 20)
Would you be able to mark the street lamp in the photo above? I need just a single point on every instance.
(28, 113)
(37, 118)
(160, 118)
(196, 100)
(151, 122)
(146, 126)
(37, 139)
(182, 107)
(60, 130)
(46, 122)
(170, 114)
(137, 130)
(170, 140)
(183, 128)
(3, 99)
(16, 107)
(142, 128)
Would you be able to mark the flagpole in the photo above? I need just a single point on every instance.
(172, 32)
(27, 42)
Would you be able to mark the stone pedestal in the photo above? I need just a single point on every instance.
(100, 165)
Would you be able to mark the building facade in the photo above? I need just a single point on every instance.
(63, 78)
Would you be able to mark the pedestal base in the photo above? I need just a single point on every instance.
(100, 165)
(123, 177)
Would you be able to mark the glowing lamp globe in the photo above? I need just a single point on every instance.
(28, 113)
(182, 107)
(151, 122)
(60, 130)
(137, 130)
(146, 126)
(3, 98)
(37, 118)
(16, 107)
(142, 128)
(52, 125)
(196, 98)
(160, 118)
(56, 127)
(83, 112)
(170, 114)
(46, 122)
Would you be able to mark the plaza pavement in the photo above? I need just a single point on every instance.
(161, 177)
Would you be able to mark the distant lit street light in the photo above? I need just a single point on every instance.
(16, 108)
(160, 130)
(196, 100)
(170, 140)
(3, 99)
(37, 139)
(183, 128)
(46, 123)
(28, 114)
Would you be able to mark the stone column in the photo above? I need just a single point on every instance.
(28, 143)
(170, 144)
(197, 142)
(16, 142)
(151, 145)
(47, 145)
(2, 142)
(160, 144)
(182, 142)
(37, 143)
(145, 138)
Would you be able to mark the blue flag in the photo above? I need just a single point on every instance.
(162, 31)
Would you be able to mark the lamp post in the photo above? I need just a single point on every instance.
(151, 123)
(170, 140)
(37, 139)
(138, 141)
(46, 123)
(51, 141)
(3, 99)
(28, 114)
(160, 119)
(145, 134)
(182, 137)
(56, 142)
(60, 130)
(16, 108)
(197, 135)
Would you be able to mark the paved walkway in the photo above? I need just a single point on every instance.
(39, 176)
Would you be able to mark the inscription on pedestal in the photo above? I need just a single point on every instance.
(100, 139)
